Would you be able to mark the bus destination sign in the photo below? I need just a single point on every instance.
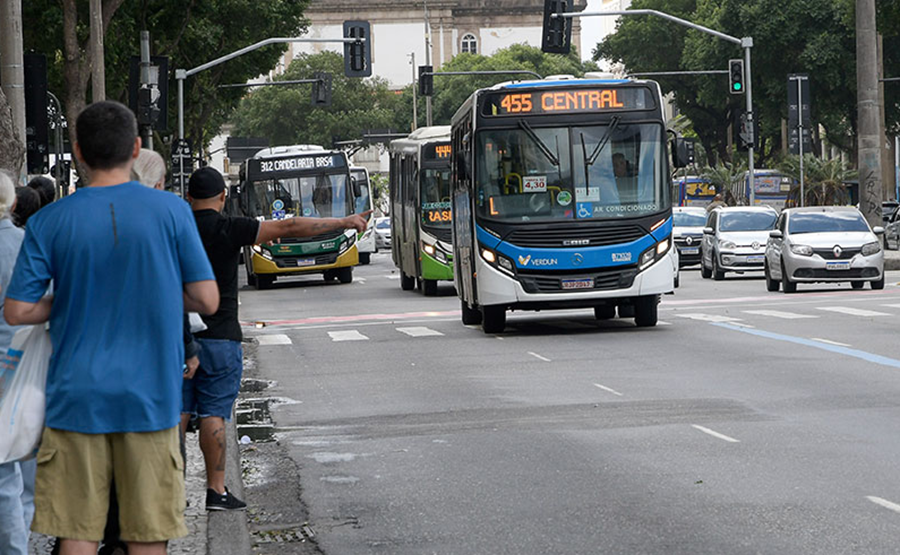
(306, 163)
(437, 152)
(568, 101)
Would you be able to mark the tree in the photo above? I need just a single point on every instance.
(284, 115)
(823, 180)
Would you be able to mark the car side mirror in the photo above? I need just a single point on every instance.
(708, 230)
(878, 230)
(776, 234)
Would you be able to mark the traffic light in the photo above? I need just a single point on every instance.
(556, 37)
(426, 80)
(736, 76)
(321, 90)
(37, 136)
(358, 54)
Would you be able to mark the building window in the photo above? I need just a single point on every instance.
(469, 44)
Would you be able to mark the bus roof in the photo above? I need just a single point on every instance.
(280, 151)
(421, 136)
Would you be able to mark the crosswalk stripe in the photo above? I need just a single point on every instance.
(348, 335)
(708, 317)
(780, 314)
(274, 339)
(851, 311)
(419, 331)
(892, 305)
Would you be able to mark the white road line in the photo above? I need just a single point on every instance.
(539, 357)
(780, 314)
(716, 434)
(419, 331)
(708, 317)
(661, 323)
(830, 342)
(350, 335)
(892, 305)
(884, 503)
(274, 339)
(851, 311)
(609, 389)
(392, 277)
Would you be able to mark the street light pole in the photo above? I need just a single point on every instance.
(427, 62)
(415, 124)
(870, 190)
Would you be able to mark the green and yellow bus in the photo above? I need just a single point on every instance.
(421, 232)
(299, 180)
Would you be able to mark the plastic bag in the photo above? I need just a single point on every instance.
(23, 382)
(197, 323)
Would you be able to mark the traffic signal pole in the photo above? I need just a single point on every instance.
(746, 43)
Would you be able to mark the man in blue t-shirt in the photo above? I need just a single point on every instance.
(125, 262)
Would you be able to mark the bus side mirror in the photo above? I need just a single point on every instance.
(682, 152)
(357, 188)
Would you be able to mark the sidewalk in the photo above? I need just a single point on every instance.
(891, 260)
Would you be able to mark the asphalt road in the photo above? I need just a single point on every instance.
(746, 422)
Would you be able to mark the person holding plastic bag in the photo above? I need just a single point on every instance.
(16, 478)
(114, 380)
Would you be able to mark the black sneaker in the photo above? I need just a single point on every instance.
(223, 502)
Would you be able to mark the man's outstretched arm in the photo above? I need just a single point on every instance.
(307, 227)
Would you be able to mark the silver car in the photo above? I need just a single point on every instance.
(383, 233)
(734, 240)
(687, 233)
(823, 244)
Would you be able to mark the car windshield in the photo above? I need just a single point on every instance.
(436, 197)
(598, 172)
(689, 219)
(747, 221)
(315, 196)
(383, 224)
(823, 222)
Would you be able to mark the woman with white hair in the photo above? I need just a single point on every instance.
(16, 478)
(149, 169)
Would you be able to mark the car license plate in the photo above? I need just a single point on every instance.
(692, 250)
(578, 283)
(756, 259)
(301, 262)
(837, 265)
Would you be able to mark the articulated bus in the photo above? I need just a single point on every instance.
(693, 191)
(300, 180)
(421, 218)
(365, 244)
(562, 199)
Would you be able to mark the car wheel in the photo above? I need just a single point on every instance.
(646, 311)
(718, 274)
(407, 283)
(786, 284)
(705, 273)
(857, 284)
(771, 284)
(470, 316)
(878, 283)
(493, 318)
(604, 312)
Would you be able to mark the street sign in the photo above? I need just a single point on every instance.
(37, 136)
(799, 113)
(182, 163)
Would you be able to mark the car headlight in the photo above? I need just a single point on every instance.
(802, 250)
(871, 248)
(723, 244)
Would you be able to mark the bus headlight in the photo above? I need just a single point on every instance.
(662, 247)
(654, 253)
(262, 252)
(429, 249)
(505, 263)
(489, 256)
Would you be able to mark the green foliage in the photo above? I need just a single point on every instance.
(381, 190)
(285, 116)
(723, 175)
(823, 180)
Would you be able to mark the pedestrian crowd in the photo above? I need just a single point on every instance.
(113, 270)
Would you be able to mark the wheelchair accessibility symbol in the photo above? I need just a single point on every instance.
(585, 210)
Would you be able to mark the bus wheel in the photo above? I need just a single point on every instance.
(645, 311)
(264, 282)
(251, 277)
(365, 258)
(493, 318)
(626, 311)
(429, 287)
(407, 283)
(604, 312)
(470, 316)
(329, 275)
(345, 275)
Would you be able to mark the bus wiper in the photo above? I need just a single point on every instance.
(537, 140)
(614, 124)
(587, 179)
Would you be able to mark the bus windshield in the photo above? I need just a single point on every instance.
(435, 197)
(593, 172)
(363, 201)
(313, 196)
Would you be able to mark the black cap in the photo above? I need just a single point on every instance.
(205, 183)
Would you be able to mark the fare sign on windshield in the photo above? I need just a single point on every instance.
(567, 101)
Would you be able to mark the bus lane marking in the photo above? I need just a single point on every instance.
(608, 389)
(884, 503)
(419, 331)
(274, 339)
(349, 335)
(851, 311)
(708, 317)
(780, 314)
(716, 434)
(830, 342)
(539, 357)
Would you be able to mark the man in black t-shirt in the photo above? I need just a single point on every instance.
(212, 392)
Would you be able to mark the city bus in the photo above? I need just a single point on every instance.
(772, 188)
(561, 195)
(421, 233)
(299, 180)
(692, 190)
(365, 243)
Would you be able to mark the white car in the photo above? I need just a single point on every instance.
(383, 233)
(687, 233)
(734, 240)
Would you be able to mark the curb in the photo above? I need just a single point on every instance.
(891, 263)
(228, 532)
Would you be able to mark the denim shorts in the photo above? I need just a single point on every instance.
(217, 381)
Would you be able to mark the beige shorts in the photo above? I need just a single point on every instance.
(73, 481)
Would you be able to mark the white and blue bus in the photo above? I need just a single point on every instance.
(562, 199)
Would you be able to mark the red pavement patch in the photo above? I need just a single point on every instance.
(352, 318)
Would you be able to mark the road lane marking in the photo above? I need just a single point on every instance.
(830, 342)
(353, 318)
(884, 503)
(708, 317)
(349, 335)
(274, 339)
(539, 357)
(609, 389)
(661, 323)
(419, 331)
(855, 353)
(892, 305)
(716, 434)
(780, 314)
(851, 311)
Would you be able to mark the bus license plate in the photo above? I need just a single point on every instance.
(756, 258)
(837, 265)
(692, 250)
(301, 262)
(578, 283)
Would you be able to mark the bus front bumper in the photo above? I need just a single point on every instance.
(300, 265)
(435, 269)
